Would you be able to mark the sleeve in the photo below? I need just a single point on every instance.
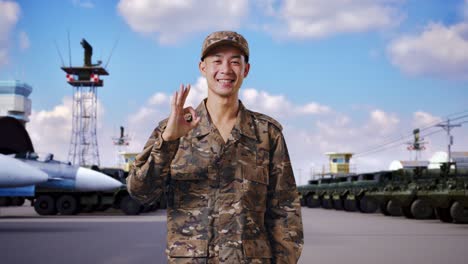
(151, 168)
(283, 217)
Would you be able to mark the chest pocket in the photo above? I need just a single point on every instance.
(252, 170)
(189, 174)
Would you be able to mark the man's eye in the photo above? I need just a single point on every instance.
(235, 62)
(217, 61)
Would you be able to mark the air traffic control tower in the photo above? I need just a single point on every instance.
(14, 100)
(85, 80)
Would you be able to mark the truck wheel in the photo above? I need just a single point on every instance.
(367, 205)
(130, 206)
(45, 205)
(394, 209)
(327, 204)
(421, 209)
(67, 205)
(350, 205)
(459, 213)
(406, 211)
(338, 204)
(443, 214)
(303, 203)
(383, 209)
(311, 202)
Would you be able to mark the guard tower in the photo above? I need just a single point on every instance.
(85, 80)
(339, 162)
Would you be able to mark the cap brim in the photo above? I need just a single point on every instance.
(221, 43)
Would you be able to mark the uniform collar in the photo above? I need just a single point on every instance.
(244, 123)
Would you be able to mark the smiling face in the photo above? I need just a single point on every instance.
(224, 69)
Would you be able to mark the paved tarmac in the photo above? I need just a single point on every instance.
(330, 237)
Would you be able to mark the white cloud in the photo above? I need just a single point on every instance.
(278, 105)
(437, 51)
(383, 122)
(50, 131)
(423, 119)
(321, 18)
(9, 16)
(171, 21)
(24, 42)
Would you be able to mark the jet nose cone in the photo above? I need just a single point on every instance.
(15, 173)
(90, 180)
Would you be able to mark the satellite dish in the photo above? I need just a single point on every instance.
(395, 165)
(437, 159)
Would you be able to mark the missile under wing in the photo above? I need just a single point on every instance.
(69, 177)
(15, 173)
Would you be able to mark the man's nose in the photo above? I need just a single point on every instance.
(226, 67)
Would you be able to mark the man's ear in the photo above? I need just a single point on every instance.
(202, 67)
(246, 69)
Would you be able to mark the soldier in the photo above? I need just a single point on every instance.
(230, 188)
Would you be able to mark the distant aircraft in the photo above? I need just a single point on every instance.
(15, 173)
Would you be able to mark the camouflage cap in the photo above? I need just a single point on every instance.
(219, 38)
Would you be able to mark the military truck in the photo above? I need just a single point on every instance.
(399, 190)
(447, 195)
(365, 186)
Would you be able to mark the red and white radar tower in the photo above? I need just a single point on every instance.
(85, 80)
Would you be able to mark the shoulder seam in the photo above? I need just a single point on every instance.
(267, 118)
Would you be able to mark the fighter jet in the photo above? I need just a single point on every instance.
(15, 173)
(66, 176)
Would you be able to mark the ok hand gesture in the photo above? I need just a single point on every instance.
(179, 124)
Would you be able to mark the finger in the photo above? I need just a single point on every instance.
(179, 98)
(186, 93)
(175, 99)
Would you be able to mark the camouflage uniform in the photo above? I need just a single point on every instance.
(233, 202)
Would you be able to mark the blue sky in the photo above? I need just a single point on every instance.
(339, 75)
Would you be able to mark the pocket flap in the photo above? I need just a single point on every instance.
(256, 248)
(258, 174)
(189, 248)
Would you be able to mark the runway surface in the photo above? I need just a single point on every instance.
(330, 237)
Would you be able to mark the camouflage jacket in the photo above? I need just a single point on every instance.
(233, 202)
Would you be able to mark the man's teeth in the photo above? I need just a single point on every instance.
(224, 81)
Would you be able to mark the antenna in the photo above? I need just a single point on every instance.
(69, 49)
(447, 127)
(417, 144)
(112, 51)
(60, 54)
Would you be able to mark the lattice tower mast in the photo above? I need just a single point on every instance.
(83, 150)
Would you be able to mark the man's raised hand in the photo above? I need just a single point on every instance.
(180, 122)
